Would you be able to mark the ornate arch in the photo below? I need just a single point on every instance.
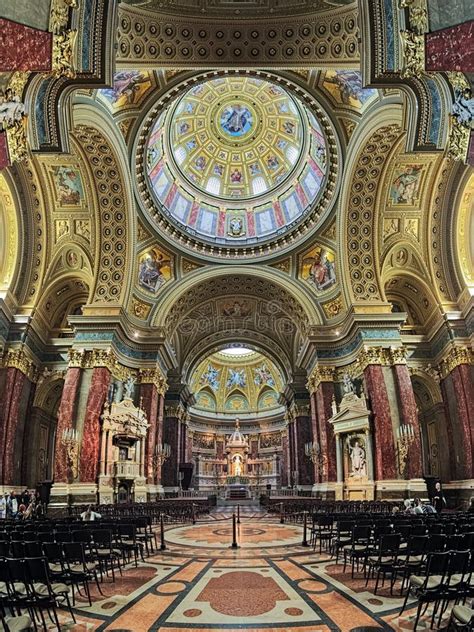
(10, 229)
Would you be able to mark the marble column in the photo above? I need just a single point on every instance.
(324, 395)
(409, 416)
(15, 401)
(65, 420)
(451, 48)
(315, 433)
(149, 400)
(384, 442)
(159, 434)
(285, 461)
(303, 435)
(293, 465)
(458, 394)
(169, 471)
(339, 463)
(90, 440)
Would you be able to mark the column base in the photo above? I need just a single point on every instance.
(325, 490)
(154, 491)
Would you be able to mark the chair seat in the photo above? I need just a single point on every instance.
(463, 614)
(55, 568)
(411, 559)
(433, 581)
(107, 552)
(19, 624)
(381, 560)
(89, 566)
(57, 588)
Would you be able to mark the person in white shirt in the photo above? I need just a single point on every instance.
(3, 507)
(89, 515)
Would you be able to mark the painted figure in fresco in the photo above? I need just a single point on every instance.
(183, 128)
(218, 169)
(150, 274)
(405, 185)
(236, 309)
(127, 84)
(191, 144)
(254, 169)
(272, 162)
(358, 463)
(236, 378)
(263, 376)
(236, 176)
(236, 120)
(349, 86)
(236, 227)
(289, 127)
(69, 185)
(322, 273)
(200, 163)
(211, 377)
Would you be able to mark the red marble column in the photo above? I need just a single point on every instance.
(384, 443)
(14, 408)
(24, 48)
(409, 415)
(292, 451)
(315, 433)
(451, 48)
(447, 393)
(169, 471)
(90, 442)
(304, 435)
(285, 448)
(159, 433)
(149, 397)
(327, 440)
(65, 420)
(458, 394)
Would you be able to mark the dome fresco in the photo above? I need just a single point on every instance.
(226, 383)
(236, 160)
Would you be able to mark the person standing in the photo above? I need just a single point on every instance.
(438, 501)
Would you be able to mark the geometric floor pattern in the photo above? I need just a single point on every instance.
(269, 583)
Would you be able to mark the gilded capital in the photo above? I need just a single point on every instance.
(153, 376)
(320, 374)
(18, 359)
(455, 357)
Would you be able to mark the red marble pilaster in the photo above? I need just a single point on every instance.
(451, 48)
(90, 441)
(24, 48)
(463, 422)
(284, 461)
(304, 435)
(169, 471)
(291, 452)
(14, 408)
(409, 416)
(65, 420)
(384, 443)
(315, 433)
(159, 432)
(327, 440)
(149, 398)
(447, 393)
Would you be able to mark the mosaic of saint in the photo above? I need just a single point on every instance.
(130, 86)
(211, 377)
(236, 378)
(405, 185)
(68, 184)
(154, 269)
(345, 86)
(262, 376)
(319, 269)
(237, 158)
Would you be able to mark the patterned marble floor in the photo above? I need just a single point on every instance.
(270, 583)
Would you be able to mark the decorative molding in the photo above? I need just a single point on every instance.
(334, 307)
(458, 145)
(455, 357)
(153, 376)
(158, 39)
(19, 359)
(413, 54)
(320, 374)
(63, 53)
(417, 14)
(59, 14)
(91, 359)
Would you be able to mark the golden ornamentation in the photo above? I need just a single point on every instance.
(417, 14)
(17, 143)
(70, 442)
(94, 358)
(413, 54)
(17, 83)
(458, 81)
(330, 232)
(175, 410)
(349, 126)
(63, 54)
(59, 14)
(455, 357)
(140, 309)
(189, 266)
(19, 359)
(458, 144)
(284, 266)
(299, 410)
(142, 233)
(320, 374)
(333, 308)
(153, 376)
(397, 355)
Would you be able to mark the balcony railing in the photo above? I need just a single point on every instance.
(127, 469)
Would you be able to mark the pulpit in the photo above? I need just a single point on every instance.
(354, 451)
(122, 458)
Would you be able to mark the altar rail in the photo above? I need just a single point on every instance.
(295, 504)
(172, 510)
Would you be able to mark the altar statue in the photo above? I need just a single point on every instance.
(129, 387)
(358, 462)
(237, 465)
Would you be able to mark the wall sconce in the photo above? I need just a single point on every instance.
(315, 454)
(70, 442)
(405, 437)
(162, 453)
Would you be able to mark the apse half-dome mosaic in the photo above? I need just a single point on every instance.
(236, 160)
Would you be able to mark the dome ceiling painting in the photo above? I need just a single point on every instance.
(236, 161)
(225, 383)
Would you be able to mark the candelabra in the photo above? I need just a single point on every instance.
(313, 451)
(71, 445)
(405, 437)
(162, 453)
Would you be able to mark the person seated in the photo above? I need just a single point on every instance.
(471, 506)
(89, 515)
(20, 515)
(418, 509)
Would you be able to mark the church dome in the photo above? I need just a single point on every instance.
(236, 161)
